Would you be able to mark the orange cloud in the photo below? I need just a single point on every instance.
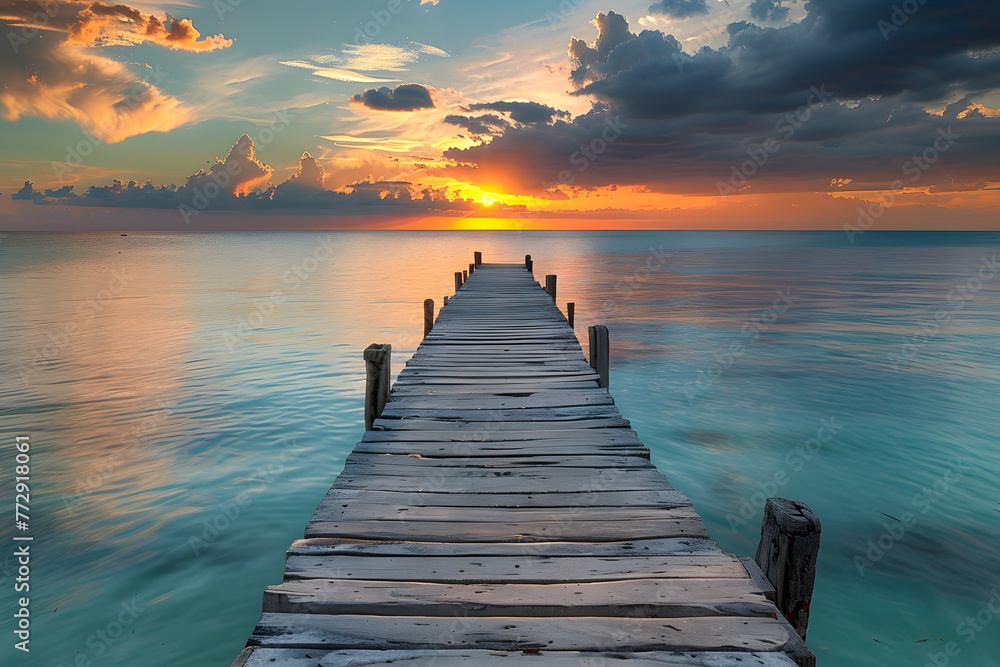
(107, 25)
(99, 94)
(64, 79)
(239, 174)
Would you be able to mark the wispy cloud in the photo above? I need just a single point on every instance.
(379, 57)
(391, 145)
(336, 73)
(353, 63)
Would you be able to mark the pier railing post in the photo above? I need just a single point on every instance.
(550, 286)
(378, 357)
(445, 301)
(458, 280)
(599, 352)
(479, 258)
(528, 264)
(472, 269)
(428, 316)
(465, 276)
(570, 312)
(789, 544)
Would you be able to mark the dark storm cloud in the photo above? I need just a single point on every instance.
(679, 9)
(839, 44)
(836, 95)
(404, 97)
(528, 113)
(612, 30)
(768, 10)
(489, 123)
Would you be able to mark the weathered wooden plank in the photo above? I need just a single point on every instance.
(417, 424)
(686, 546)
(371, 511)
(510, 387)
(569, 530)
(475, 434)
(643, 598)
(280, 657)
(463, 480)
(557, 634)
(456, 399)
(524, 355)
(647, 476)
(567, 502)
(398, 410)
(417, 463)
(497, 450)
(549, 362)
(488, 382)
(531, 569)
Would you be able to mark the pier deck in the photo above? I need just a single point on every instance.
(502, 511)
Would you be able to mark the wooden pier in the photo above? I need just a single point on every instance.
(501, 511)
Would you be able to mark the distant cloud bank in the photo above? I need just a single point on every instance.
(242, 182)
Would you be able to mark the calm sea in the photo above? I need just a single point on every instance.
(189, 398)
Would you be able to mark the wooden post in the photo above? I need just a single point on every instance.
(479, 258)
(458, 280)
(550, 286)
(570, 312)
(789, 544)
(531, 266)
(600, 350)
(465, 276)
(472, 268)
(377, 365)
(445, 301)
(428, 316)
(528, 264)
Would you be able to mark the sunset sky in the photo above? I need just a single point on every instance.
(525, 114)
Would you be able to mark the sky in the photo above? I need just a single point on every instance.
(522, 114)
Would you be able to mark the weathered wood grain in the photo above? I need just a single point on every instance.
(279, 657)
(643, 598)
(529, 568)
(556, 634)
(686, 546)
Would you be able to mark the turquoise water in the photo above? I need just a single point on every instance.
(190, 397)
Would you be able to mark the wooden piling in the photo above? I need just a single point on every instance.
(472, 268)
(378, 357)
(789, 544)
(458, 280)
(550, 285)
(428, 316)
(445, 301)
(599, 352)
(465, 276)
(570, 312)
(528, 264)
(479, 258)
